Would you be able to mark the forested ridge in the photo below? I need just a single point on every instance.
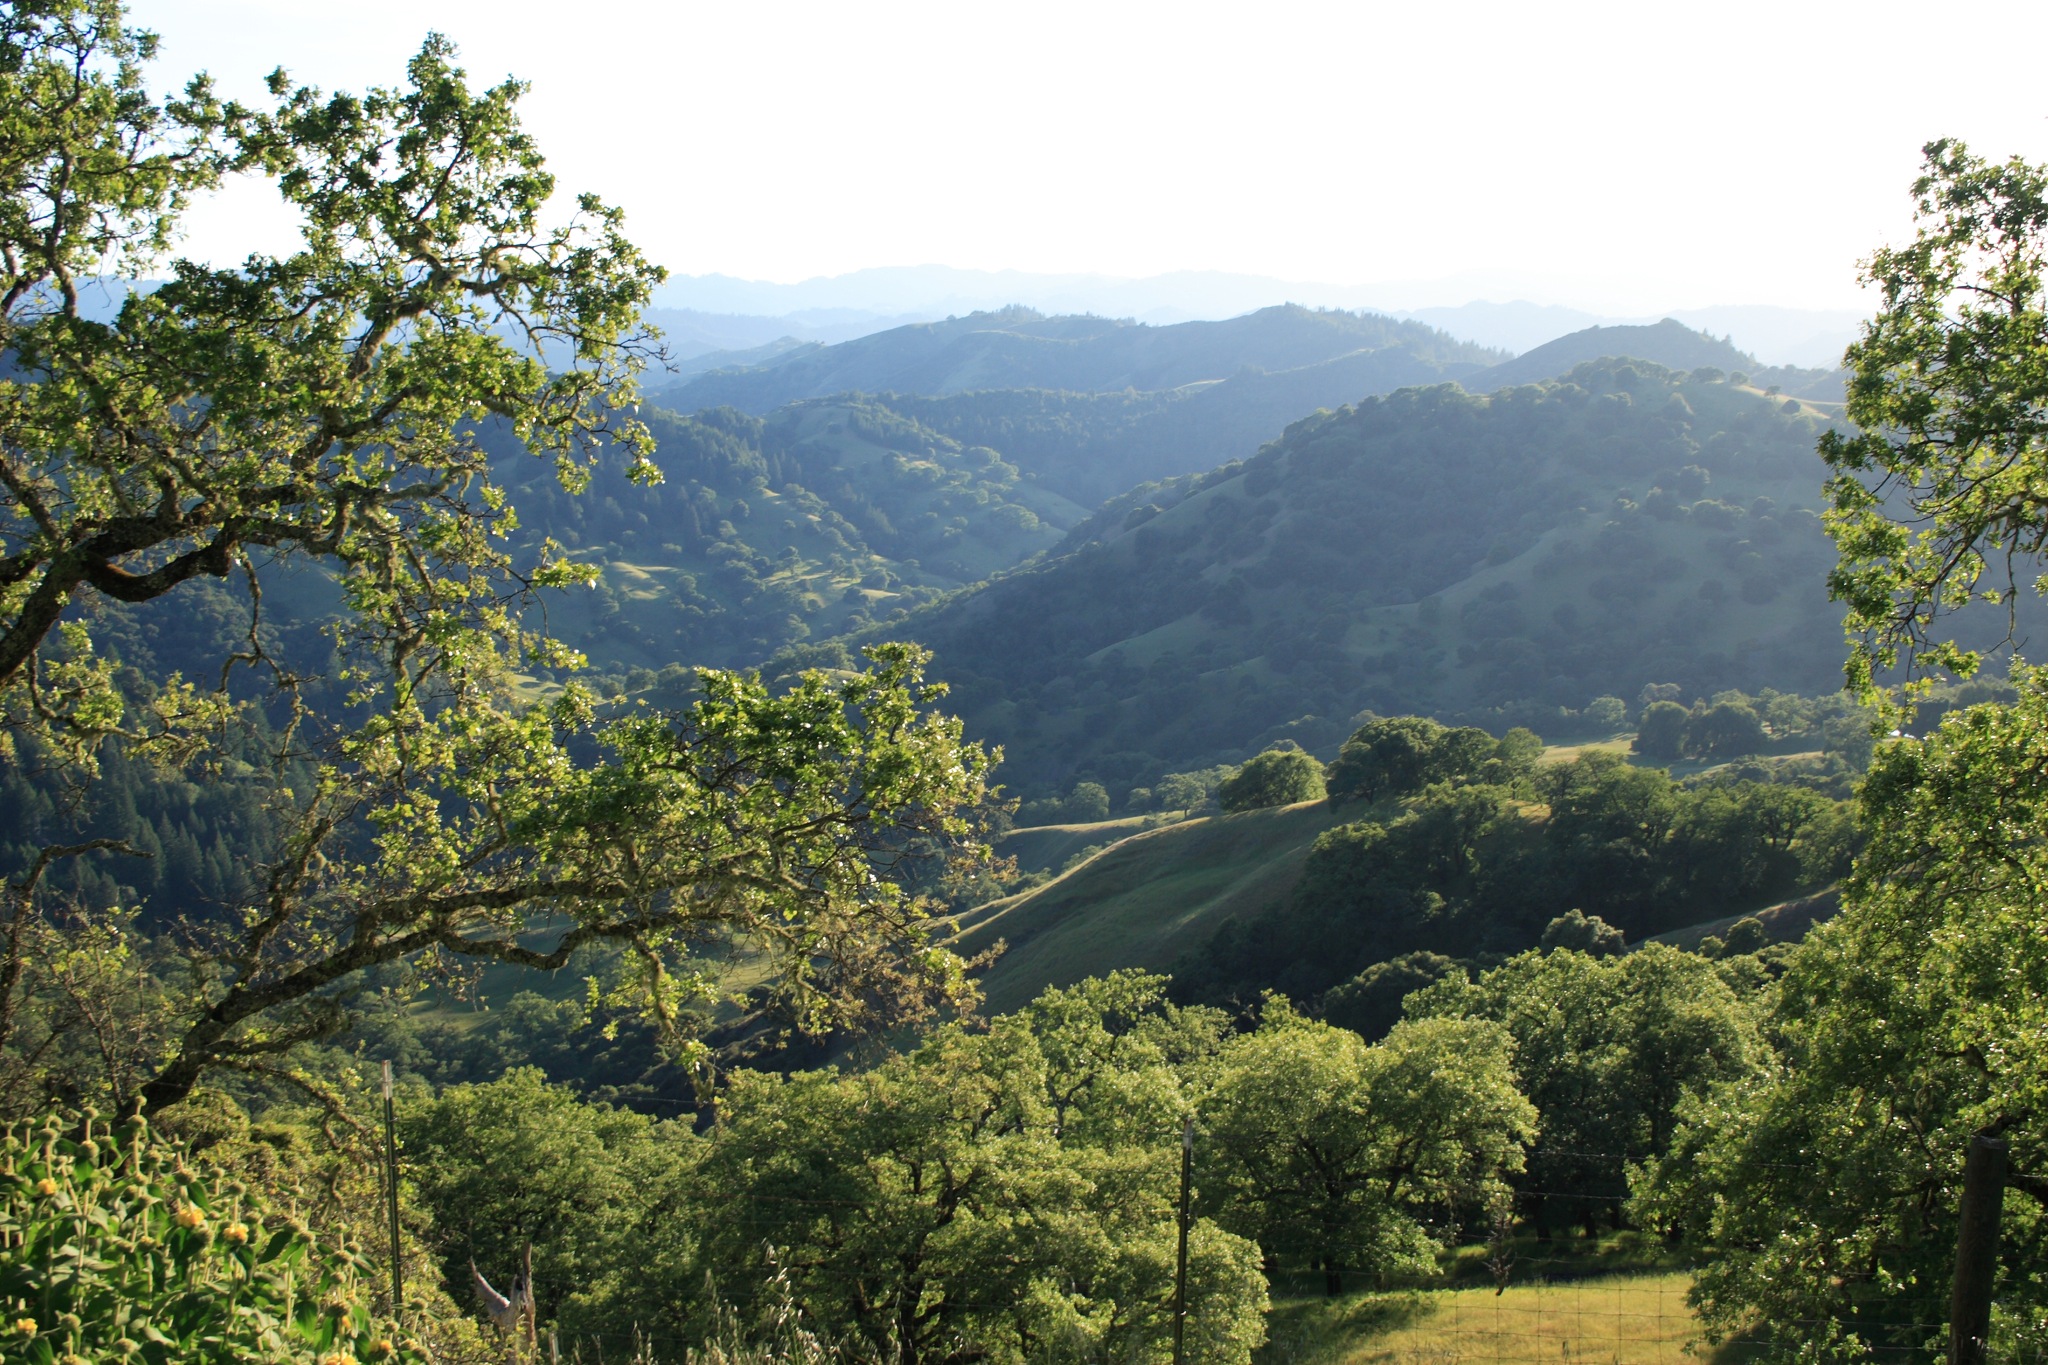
(917, 852)
(1019, 349)
(1514, 555)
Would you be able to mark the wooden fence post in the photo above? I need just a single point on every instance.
(1969, 1321)
(391, 1203)
(1180, 1271)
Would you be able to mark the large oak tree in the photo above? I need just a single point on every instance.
(325, 412)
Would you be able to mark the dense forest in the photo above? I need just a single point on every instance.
(1512, 556)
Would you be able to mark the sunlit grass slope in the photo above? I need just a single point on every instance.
(1143, 901)
(1049, 847)
(1154, 894)
(1621, 1320)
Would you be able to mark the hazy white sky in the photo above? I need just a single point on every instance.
(1617, 157)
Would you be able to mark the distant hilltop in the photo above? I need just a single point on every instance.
(839, 307)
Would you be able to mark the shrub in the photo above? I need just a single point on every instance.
(116, 1249)
(1581, 932)
(1278, 777)
(1661, 733)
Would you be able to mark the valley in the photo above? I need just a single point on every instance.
(948, 816)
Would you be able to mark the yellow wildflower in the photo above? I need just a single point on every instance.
(236, 1233)
(191, 1216)
(46, 1187)
(25, 1326)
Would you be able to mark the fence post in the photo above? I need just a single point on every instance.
(1976, 1251)
(1180, 1273)
(391, 1195)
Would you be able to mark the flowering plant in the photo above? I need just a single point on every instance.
(113, 1249)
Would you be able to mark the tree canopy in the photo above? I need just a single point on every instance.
(1936, 495)
(1831, 1181)
(1356, 1156)
(320, 404)
(429, 804)
(1278, 777)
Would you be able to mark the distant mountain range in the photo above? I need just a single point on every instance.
(824, 309)
(1137, 552)
(691, 334)
(1669, 343)
(1018, 348)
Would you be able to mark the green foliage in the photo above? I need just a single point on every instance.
(1935, 499)
(1345, 1156)
(1661, 732)
(1278, 777)
(1724, 730)
(1733, 725)
(1908, 1023)
(1087, 803)
(349, 408)
(1370, 1003)
(998, 1193)
(1606, 713)
(1913, 1020)
(1584, 933)
(116, 1249)
(1747, 935)
(319, 404)
(1485, 868)
(1188, 792)
(796, 819)
(1608, 1048)
(1401, 755)
(599, 1194)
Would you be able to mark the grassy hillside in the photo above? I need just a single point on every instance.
(1144, 901)
(1049, 848)
(1020, 349)
(1785, 922)
(1613, 1320)
(1155, 896)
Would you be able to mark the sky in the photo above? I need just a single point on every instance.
(1622, 158)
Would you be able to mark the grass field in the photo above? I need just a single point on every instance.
(1615, 1320)
(1144, 901)
(1047, 847)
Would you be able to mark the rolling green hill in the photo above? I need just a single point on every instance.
(1428, 551)
(821, 519)
(1145, 901)
(830, 514)
(1668, 343)
(1236, 904)
(1020, 349)
(1092, 446)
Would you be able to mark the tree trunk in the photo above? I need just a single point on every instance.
(1333, 1277)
